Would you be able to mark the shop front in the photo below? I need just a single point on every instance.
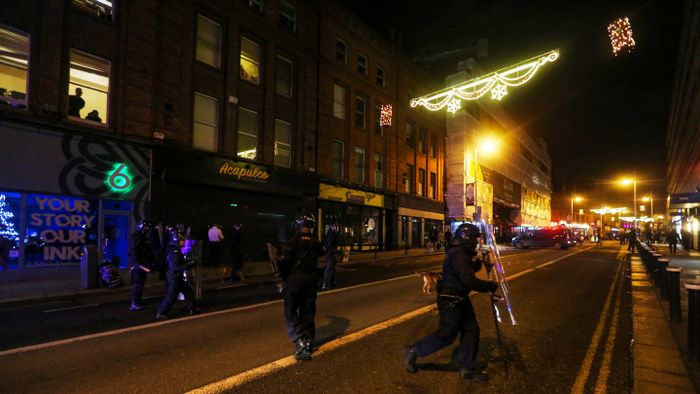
(60, 191)
(362, 216)
(420, 220)
(506, 204)
(198, 190)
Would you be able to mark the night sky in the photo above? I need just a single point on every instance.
(602, 116)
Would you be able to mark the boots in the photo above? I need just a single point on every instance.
(302, 350)
(409, 359)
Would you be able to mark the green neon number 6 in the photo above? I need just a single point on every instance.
(119, 180)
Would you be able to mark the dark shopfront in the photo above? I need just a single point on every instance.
(47, 202)
(199, 189)
(362, 216)
(506, 204)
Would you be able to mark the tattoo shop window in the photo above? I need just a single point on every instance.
(341, 50)
(380, 76)
(359, 165)
(251, 54)
(285, 77)
(205, 127)
(362, 64)
(247, 134)
(88, 87)
(360, 111)
(99, 8)
(283, 143)
(14, 62)
(208, 49)
(288, 16)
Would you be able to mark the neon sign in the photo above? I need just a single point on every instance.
(119, 180)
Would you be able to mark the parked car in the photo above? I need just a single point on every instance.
(543, 238)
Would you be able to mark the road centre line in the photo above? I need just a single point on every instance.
(126, 330)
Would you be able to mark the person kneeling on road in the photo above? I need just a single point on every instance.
(455, 309)
(177, 265)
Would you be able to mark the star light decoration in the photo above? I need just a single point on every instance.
(620, 33)
(496, 82)
(385, 115)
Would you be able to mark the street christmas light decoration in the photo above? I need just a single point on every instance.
(620, 33)
(496, 82)
(385, 115)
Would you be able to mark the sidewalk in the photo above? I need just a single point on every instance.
(254, 271)
(659, 347)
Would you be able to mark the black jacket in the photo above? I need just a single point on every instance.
(331, 241)
(297, 260)
(458, 276)
(140, 250)
(176, 261)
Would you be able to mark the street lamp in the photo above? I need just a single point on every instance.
(633, 181)
(487, 145)
(577, 199)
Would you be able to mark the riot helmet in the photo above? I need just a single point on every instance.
(174, 236)
(144, 226)
(304, 223)
(467, 234)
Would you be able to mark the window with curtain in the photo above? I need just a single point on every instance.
(283, 143)
(251, 54)
(208, 48)
(205, 126)
(247, 146)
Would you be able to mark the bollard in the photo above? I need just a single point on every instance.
(663, 277)
(674, 293)
(693, 321)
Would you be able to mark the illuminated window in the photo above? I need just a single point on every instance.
(421, 140)
(14, 62)
(88, 87)
(410, 138)
(247, 134)
(285, 77)
(256, 5)
(338, 102)
(288, 16)
(359, 165)
(360, 111)
(421, 182)
(410, 179)
(338, 159)
(378, 170)
(341, 50)
(283, 143)
(380, 76)
(208, 49)
(205, 127)
(433, 183)
(99, 8)
(362, 64)
(250, 60)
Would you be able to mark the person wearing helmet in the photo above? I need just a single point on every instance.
(331, 244)
(298, 269)
(175, 258)
(456, 312)
(142, 260)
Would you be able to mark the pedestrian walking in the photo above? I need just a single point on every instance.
(454, 306)
(672, 239)
(330, 241)
(298, 269)
(177, 252)
(215, 237)
(236, 254)
(142, 261)
(632, 240)
(598, 240)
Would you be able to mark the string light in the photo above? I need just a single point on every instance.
(385, 116)
(620, 33)
(496, 82)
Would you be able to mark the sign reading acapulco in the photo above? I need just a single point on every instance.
(244, 171)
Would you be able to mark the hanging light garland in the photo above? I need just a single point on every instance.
(620, 33)
(496, 82)
(385, 116)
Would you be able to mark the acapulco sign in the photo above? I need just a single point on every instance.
(244, 171)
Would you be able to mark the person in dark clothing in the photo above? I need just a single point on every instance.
(94, 116)
(331, 245)
(298, 269)
(672, 238)
(236, 254)
(76, 103)
(177, 265)
(142, 261)
(455, 309)
(632, 240)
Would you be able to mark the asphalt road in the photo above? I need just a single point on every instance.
(574, 334)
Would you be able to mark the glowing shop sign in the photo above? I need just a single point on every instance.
(119, 180)
(245, 171)
(496, 82)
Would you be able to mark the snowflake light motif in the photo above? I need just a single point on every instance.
(498, 92)
(454, 105)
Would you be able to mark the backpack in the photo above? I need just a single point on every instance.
(109, 275)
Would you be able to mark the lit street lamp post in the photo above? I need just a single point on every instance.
(633, 181)
(488, 145)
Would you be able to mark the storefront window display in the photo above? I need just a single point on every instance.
(359, 227)
(10, 204)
